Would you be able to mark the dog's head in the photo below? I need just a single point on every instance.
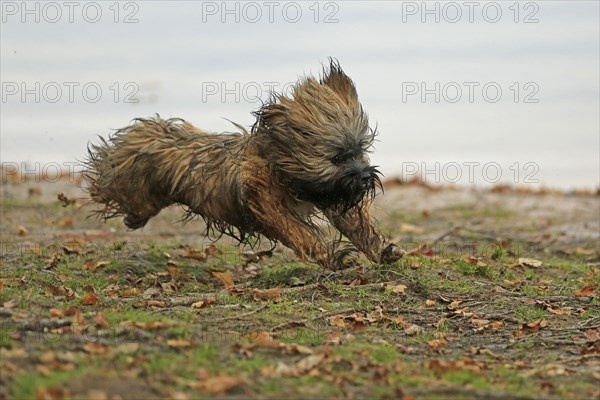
(318, 139)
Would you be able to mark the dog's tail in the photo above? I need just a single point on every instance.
(133, 172)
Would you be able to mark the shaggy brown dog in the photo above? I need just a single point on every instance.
(305, 157)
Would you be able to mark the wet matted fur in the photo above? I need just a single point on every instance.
(306, 155)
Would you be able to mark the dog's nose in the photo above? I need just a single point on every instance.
(365, 176)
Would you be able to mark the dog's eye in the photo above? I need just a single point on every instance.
(337, 160)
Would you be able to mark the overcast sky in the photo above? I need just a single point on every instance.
(468, 85)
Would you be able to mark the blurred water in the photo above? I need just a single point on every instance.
(181, 59)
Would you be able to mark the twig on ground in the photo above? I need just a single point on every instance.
(189, 300)
(239, 316)
(300, 288)
(455, 392)
(305, 320)
(444, 235)
(499, 317)
(575, 328)
(45, 323)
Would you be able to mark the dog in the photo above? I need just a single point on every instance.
(305, 158)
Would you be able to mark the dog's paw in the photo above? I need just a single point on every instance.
(135, 222)
(345, 258)
(391, 254)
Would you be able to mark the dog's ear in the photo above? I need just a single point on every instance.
(339, 82)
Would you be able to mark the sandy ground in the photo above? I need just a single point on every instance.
(407, 212)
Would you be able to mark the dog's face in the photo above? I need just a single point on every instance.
(318, 141)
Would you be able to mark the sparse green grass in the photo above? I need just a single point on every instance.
(469, 269)
(469, 212)
(289, 274)
(529, 313)
(25, 386)
(372, 358)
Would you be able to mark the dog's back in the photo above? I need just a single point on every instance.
(142, 168)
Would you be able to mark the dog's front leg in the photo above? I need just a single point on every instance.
(274, 214)
(356, 225)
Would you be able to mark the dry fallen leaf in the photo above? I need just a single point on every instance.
(131, 292)
(479, 322)
(51, 393)
(310, 362)
(57, 312)
(454, 365)
(89, 299)
(93, 265)
(72, 248)
(454, 304)
(591, 349)
(584, 252)
(413, 329)
(480, 350)
(156, 304)
(260, 337)
(97, 394)
(220, 384)
(226, 278)
(586, 291)
(531, 327)
(337, 320)
(437, 343)
(47, 357)
(527, 262)
(65, 221)
(334, 338)
(95, 348)
(398, 289)
(147, 326)
(269, 294)
(179, 343)
(100, 320)
(474, 261)
(592, 335)
(417, 250)
(560, 311)
(514, 282)
(204, 303)
(463, 311)
(497, 325)
(169, 287)
(211, 250)
(195, 254)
